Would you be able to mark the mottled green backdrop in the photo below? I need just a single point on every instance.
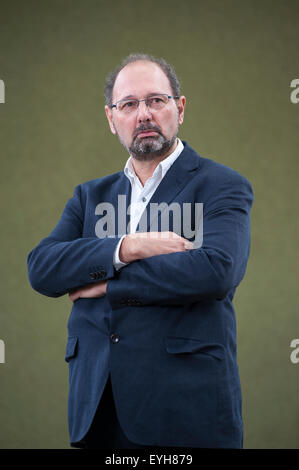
(236, 60)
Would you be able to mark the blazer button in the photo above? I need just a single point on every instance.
(114, 338)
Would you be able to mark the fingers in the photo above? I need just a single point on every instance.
(188, 245)
(98, 289)
(74, 295)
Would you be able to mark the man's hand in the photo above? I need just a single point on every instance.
(145, 244)
(137, 246)
(98, 289)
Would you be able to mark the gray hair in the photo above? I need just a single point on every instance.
(166, 68)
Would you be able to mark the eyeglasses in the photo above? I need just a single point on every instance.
(154, 102)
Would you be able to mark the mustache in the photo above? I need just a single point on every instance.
(146, 127)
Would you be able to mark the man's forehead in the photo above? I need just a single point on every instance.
(141, 77)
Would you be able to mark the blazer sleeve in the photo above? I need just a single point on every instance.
(64, 260)
(208, 272)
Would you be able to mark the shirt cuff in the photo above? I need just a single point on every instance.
(116, 261)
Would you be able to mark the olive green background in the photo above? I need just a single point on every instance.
(235, 61)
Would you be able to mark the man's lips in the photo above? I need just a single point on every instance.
(147, 134)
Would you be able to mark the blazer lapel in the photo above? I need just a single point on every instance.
(176, 179)
(120, 199)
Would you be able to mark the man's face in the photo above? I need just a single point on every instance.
(145, 133)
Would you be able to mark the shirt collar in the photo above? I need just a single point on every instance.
(161, 168)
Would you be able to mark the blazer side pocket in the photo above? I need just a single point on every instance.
(179, 345)
(71, 348)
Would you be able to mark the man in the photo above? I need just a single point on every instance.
(152, 333)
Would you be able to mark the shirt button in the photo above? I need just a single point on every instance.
(114, 338)
(144, 199)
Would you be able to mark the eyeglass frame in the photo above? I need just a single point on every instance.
(145, 99)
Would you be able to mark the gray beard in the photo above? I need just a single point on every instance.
(148, 148)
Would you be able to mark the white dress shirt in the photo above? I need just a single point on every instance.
(140, 195)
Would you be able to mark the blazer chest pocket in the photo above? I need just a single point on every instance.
(71, 348)
(179, 346)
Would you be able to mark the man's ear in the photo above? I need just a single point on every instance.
(108, 112)
(181, 107)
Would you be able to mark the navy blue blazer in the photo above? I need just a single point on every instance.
(166, 328)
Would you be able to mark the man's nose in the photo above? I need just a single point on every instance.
(143, 112)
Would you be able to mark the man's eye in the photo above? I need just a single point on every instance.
(156, 99)
(129, 104)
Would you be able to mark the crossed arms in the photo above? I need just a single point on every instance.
(133, 247)
(162, 269)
